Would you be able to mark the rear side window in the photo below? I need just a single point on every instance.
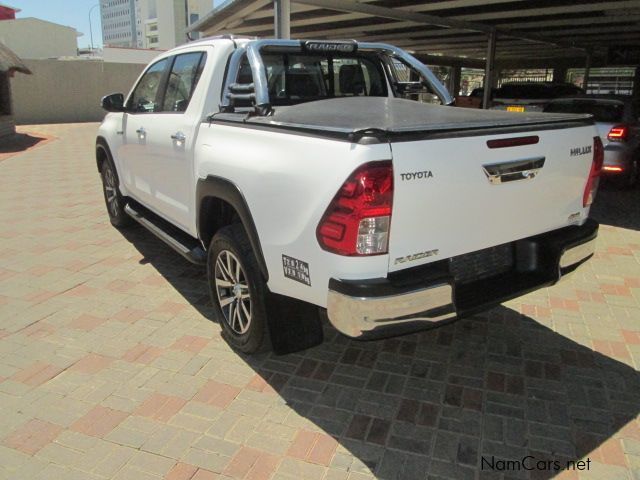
(294, 78)
(145, 97)
(602, 112)
(182, 81)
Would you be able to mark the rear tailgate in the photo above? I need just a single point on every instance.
(445, 204)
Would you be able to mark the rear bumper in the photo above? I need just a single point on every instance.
(424, 296)
(617, 159)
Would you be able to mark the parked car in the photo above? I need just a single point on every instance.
(474, 99)
(531, 96)
(294, 171)
(617, 121)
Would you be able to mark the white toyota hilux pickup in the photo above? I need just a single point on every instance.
(303, 175)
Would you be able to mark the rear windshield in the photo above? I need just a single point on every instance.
(602, 112)
(523, 91)
(293, 78)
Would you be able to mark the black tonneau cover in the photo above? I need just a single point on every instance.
(357, 117)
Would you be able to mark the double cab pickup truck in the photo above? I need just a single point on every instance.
(311, 185)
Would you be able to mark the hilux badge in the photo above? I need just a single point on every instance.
(580, 150)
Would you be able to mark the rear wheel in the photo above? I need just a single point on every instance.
(238, 290)
(114, 201)
(635, 174)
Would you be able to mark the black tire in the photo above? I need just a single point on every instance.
(244, 297)
(635, 175)
(113, 199)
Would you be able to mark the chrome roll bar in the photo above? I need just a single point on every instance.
(259, 94)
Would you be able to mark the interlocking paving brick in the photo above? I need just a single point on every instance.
(37, 374)
(181, 471)
(160, 407)
(217, 394)
(99, 422)
(32, 436)
(91, 364)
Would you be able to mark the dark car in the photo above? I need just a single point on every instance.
(531, 96)
(474, 99)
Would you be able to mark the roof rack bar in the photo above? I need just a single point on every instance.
(261, 90)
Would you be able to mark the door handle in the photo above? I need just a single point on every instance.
(525, 169)
(141, 132)
(178, 137)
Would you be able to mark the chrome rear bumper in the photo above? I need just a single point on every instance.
(360, 316)
(386, 307)
(576, 254)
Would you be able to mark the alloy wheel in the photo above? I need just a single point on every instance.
(233, 292)
(110, 191)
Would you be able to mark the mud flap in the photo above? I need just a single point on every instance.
(293, 325)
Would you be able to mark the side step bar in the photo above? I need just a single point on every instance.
(182, 243)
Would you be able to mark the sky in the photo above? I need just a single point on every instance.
(73, 13)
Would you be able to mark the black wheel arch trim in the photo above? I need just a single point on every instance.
(223, 189)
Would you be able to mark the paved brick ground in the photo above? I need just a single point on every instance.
(110, 368)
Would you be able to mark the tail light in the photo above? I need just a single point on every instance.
(358, 218)
(618, 133)
(591, 187)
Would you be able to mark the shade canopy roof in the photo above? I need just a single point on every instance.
(10, 62)
(537, 29)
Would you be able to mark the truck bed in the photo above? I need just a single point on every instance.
(395, 117)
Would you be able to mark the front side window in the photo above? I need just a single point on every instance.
(145, 97)
(182, 81)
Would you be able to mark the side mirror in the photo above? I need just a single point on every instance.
(113, 102)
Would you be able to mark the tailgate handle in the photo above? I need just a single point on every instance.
(525, 169)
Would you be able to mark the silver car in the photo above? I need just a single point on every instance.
(617, 120)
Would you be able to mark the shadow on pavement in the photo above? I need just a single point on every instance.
(617, 207)
(445, 403)
(20, 142)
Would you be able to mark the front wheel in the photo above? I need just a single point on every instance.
(238, 290)
(113, 199)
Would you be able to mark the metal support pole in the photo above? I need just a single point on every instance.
(282, 20)
(489, 69)
(559, 74)
(90, 27)
(635, 94)
(587, 71)
(454, 84)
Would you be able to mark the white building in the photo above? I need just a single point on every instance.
(157, 24)
(34, 38)
(163, 24)
(118, 22)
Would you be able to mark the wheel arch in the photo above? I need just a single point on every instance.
(219, 202)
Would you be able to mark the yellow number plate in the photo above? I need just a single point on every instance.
(515, 108)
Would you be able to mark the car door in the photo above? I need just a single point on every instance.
(141, 114)
(170, 140)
